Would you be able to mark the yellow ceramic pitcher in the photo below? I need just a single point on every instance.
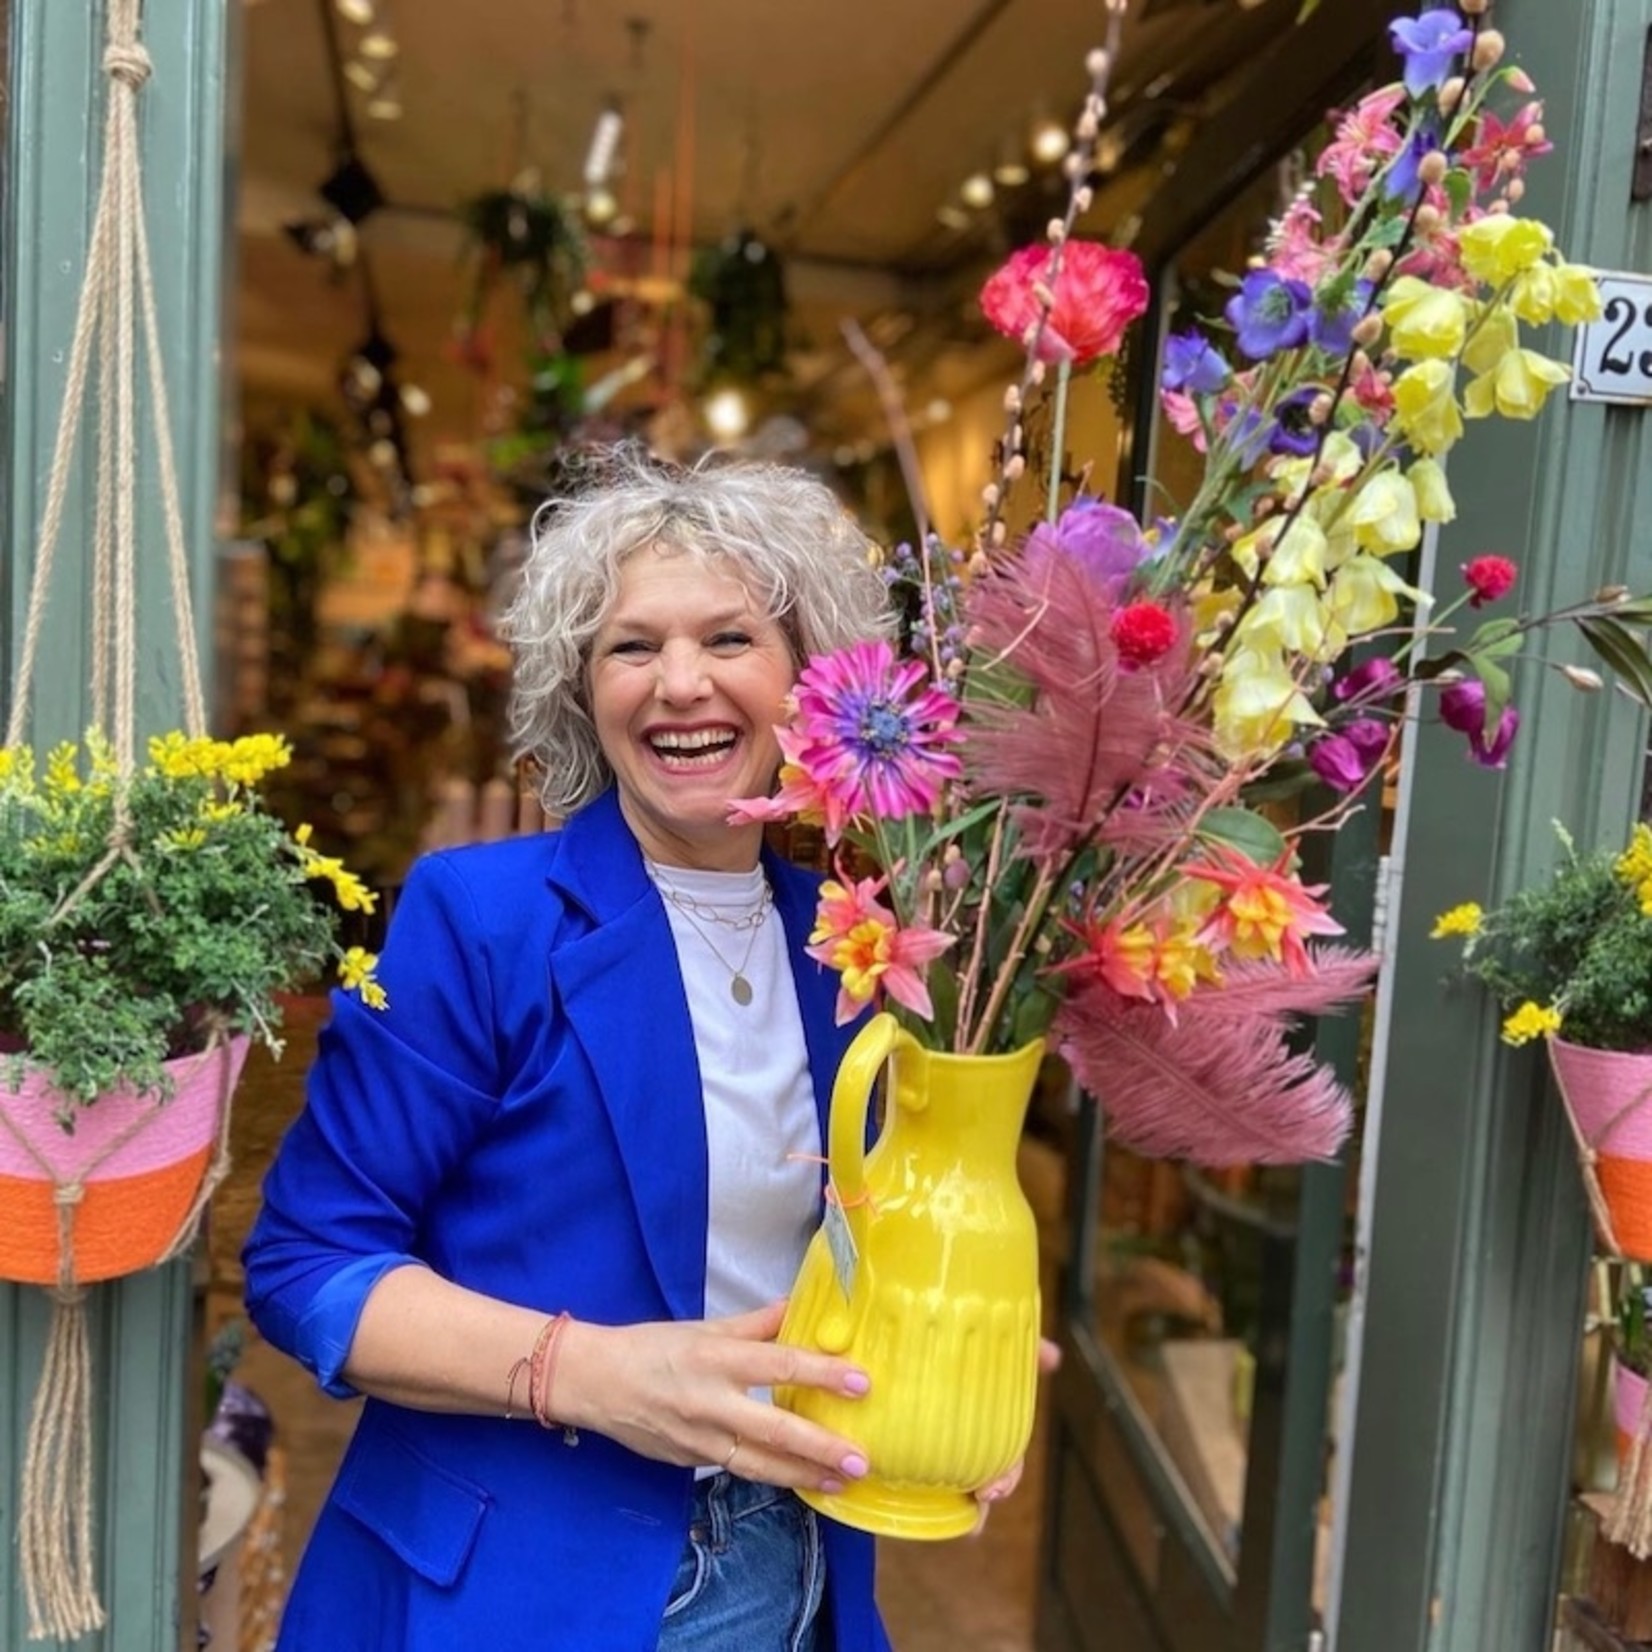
(925, 1272)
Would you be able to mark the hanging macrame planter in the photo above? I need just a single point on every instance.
(127, 1187)
(1607, 1095)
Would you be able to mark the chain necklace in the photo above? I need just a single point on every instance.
(740, 989)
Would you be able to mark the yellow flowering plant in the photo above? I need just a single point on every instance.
(138, 918)
(1572, 957)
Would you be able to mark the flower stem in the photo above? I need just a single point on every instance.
(1058, 439)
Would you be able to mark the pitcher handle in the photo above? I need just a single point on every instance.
(851, 1098)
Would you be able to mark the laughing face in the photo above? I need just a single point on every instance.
(687, 680)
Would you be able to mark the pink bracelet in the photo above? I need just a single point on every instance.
(542, 1372)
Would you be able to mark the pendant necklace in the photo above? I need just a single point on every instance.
(740, 989)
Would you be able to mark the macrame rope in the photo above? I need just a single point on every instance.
(1630, 1522)
(117, 298)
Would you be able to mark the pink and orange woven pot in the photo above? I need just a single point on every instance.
(1608, 1094)
(139, 1165)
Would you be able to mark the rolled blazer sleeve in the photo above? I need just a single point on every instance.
(395, 1099)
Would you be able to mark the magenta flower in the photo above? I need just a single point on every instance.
(871, 738)
(1463, 707)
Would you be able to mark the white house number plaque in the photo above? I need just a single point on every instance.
(1612, 357)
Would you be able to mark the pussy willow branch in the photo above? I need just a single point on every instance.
(1010, 460)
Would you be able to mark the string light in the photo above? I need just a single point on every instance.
(1048, 142)
(727, 416)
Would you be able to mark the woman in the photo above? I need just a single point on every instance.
(570, 1169)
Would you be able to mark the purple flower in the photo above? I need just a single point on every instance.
(1269, 314)
(1293, 432)
(1374, 680)
(1335, 315)
(1248, 434)
(1344, 761)
(1193, 365)
(1104, 540)
(1336, 760)
(1429, 44)
(1401, 179)
(1463, 707)
(1368, 736)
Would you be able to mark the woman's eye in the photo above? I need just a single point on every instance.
(631, 645)
(729, 640)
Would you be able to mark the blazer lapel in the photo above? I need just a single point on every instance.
(622, 992)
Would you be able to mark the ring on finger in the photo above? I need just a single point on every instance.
(731, 1451)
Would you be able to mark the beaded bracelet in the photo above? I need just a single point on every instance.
(542, 1371)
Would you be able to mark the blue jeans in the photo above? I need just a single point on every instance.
(752, 1574)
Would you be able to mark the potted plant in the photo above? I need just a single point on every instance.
(1631, 1361)
(148, 923)
(1570, 961)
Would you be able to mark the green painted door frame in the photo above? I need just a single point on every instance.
(148, 1406)
(1475, 1228)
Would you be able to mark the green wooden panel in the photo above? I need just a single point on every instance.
(1478, 1236)
(148, 1413)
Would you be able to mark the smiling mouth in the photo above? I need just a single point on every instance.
(696, 749)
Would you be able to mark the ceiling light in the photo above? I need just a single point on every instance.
(363, 76)
(953, 217)
(604, 145)
(583, 302)
(378, 44)
(1109, 152)
(359, 12)
(415, 400)
(976, 190)
(600, 206)
(385, 104)
(1011, 172)
(353, 190)
(940, 408)
(727, 416)
(1048, 142)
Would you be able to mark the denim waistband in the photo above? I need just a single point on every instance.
(721, 1499)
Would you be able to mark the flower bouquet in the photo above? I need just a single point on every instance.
(1047, 797)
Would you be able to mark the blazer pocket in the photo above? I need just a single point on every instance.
(424, 1513)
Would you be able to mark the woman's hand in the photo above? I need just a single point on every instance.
(678, 1392)
(995, 1491)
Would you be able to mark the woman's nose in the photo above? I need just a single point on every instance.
(681, 676)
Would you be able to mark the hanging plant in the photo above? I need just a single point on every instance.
(743, 286)
(532, 239)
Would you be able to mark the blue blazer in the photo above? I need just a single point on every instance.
(525, 1119)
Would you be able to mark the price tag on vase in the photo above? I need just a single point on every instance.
(840, 1241)
(1612, 357)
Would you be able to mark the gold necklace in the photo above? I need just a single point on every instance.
(740, 989)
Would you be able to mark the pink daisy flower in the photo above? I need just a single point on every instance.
(872, 740)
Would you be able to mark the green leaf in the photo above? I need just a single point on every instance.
(942, 981)
(1257, 839)
(1497, 639)
(1459, 188)
(1619, 647)
(1498, 690)
(1308, 8)
(1034, 1011)
(972, 817)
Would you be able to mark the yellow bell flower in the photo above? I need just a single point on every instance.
(1497, 334)
(1340, 460)
(1290, 619)
(1425, 406)
(1299, 556)
(1365, 594)
(1257, 703)
(1517, 387)
(1424, 320)
(1532, 296)
(1576, 295)
(1497, 248)
(1434, 501)
(1385, 517)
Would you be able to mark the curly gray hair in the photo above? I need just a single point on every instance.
(788, 537)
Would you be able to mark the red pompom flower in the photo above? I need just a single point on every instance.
(1489, 577)
(1143, 632)
(1098, 293)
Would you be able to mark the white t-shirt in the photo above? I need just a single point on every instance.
(762, 1130)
